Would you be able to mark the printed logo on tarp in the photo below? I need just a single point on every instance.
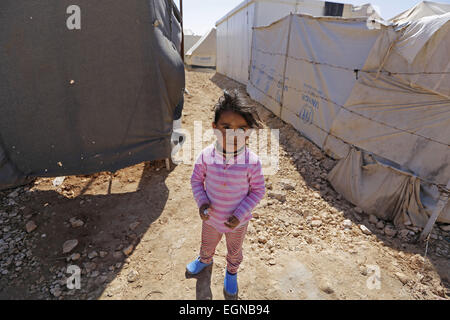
(312, 104)
(310, 100)
(307, 114)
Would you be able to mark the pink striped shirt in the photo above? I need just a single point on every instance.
(232, 187)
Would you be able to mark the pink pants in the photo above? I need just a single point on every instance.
(234, 239)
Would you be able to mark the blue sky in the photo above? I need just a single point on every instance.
(201, 15)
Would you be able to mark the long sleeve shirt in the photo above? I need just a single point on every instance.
(231, 186)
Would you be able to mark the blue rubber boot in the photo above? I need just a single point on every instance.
(230, 284)
(196, 266)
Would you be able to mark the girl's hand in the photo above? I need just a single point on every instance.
(232, 222)
(203, 216)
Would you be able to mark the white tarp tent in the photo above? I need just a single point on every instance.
(203, 53)
(234, 31)
(374, 96)
(422, 9)
(189, 41)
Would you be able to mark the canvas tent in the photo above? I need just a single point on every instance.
(189, 40)
(203, 53)
(88, 100)
(374, 96)
(422, 9)
(234, 30)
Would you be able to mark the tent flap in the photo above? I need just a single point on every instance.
(95, 99)
(381, 190)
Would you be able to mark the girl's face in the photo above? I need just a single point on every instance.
(233, 129)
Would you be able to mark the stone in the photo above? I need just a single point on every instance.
(417, 259)
(324, 214)
(69, 245)
(403, 233)
(92, 255)
(132, 276)
(347, 223)
(280, 196)
(134, 225)
(30, 226)
(380, 224)
(316, 195)
(103, 254)
(128, 250)
(56, 292)
(296, 233)
(76, 223)
(287, 184)
(58, 181)
(413, 229)
(75, 256)
(94, 274)
(13, 194)
(13, 214)
(363, 270)
(117, 255)
(328, 164)
(326, 287)
(390, 231)
(358, 210)
(365, 230)
(373, 219)
(316, 223)
(402, 277)
(262, 239)
(445, 227)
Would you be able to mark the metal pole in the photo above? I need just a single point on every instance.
(442, 202)
(182, 30)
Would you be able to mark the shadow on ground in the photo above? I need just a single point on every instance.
(113, 223)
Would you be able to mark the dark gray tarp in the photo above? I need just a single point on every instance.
(82, 101)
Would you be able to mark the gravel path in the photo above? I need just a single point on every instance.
(132, 233)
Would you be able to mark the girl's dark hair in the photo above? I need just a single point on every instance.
(235, 102)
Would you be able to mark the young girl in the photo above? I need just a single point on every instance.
(227, 183)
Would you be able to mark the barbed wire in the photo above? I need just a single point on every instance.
(355, 70)
(354, 112)
(442, 188)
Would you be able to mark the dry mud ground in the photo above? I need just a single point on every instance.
(138, 228)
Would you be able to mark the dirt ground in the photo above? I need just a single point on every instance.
(138, 228)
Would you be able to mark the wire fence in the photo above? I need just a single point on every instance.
(354, 112)
(355, 70)
(442, 188)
